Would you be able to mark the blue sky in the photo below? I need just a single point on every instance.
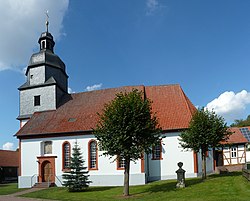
(202, 45)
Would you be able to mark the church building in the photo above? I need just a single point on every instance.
(52, 120)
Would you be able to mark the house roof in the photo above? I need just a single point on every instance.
(78, 112)
(9, 158)
(236, 138)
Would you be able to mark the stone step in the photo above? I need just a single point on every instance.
(43, 185)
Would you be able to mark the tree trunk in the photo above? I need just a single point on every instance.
(204, 171)
(126, 177)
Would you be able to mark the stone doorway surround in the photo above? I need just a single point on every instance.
(43, 162)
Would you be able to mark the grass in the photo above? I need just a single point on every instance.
(230, 187)
(6, 189)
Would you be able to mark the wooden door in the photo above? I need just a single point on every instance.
(47, 172)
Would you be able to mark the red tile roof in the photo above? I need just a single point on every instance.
(9, 158)
(79, 112)
(236, 138)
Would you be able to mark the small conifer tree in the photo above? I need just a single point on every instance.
(76, 179)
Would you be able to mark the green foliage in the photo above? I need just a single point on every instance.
(127, 126)
(76, 179)
(206, 130)
(241, 122)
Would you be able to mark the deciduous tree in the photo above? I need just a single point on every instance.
(206, 131)
(128, 128)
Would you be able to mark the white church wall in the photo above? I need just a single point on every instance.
(107, 173)
(172, 153)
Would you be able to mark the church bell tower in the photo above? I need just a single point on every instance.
(46, 82)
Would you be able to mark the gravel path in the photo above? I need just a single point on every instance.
(12, 197)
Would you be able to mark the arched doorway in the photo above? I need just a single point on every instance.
(46, 171)
(46, 168)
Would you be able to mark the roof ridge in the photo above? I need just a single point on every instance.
(133, 86)
(187, 102)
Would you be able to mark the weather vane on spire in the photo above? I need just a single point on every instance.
(47, 20)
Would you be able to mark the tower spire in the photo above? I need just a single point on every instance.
(47, 21)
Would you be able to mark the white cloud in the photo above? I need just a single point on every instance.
(230, 105)
(22, 22)
(70, 91)
(152, 6)
(93, 87)
(8, 146)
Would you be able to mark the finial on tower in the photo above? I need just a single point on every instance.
(47, 20)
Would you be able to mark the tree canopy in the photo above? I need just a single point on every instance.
(241, 122)
(127, 128)
(206, 130)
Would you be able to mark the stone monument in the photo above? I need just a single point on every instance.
(180, 176)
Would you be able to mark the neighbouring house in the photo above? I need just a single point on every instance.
(9, 162)
(52, 120)
(233, 155)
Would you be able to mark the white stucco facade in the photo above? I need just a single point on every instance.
(107, 173)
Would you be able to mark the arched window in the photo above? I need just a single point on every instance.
(43, 44)
(120, 163)
(157, 152)
(93, 155)
(66, 155)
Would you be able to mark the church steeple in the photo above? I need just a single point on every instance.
(46, 39)
(47, 80)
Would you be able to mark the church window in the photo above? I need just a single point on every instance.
(120, 163)
(157, 152)
(66, 155)
(93, 156)
(47, 147)
(31, 76)
(36, 100)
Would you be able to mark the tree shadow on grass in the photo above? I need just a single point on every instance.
(168, 186)
(3, 185)
(228, 174)
(102, 188)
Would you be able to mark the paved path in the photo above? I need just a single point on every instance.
(12, 197)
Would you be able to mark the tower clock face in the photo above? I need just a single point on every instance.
(38, 58)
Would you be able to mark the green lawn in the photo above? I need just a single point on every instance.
(6, 189)
(230, 187)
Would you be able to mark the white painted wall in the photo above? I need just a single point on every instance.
(247, 156)
(172, 153)
(240, 157)
(107, 173)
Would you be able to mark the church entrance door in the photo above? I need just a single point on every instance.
(47, 171)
